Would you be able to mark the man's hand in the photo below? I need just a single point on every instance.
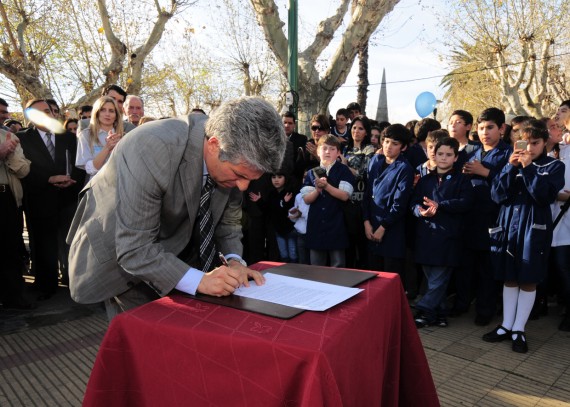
(8, 146)
(223, 280)
(61, 181)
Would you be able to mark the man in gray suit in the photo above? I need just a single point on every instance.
(134, 236)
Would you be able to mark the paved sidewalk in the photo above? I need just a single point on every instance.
(46, 357)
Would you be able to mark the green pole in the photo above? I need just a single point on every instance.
(292, 68)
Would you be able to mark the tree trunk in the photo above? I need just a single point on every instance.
(362, 93)
(316, 92)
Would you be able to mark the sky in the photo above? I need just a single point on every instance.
(406, 47)
(405, 44)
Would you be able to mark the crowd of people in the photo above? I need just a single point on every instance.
(456, 212)
(462, 210)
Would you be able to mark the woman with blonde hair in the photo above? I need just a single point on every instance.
(97, 141)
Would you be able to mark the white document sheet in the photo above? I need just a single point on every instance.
(297, 292)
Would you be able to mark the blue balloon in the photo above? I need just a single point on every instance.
(425, 103)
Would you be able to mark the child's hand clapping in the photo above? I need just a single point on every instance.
(321, 183)
(288, 196)
(254, 197)
(431, 209)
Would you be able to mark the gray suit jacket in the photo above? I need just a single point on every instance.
(138, 212)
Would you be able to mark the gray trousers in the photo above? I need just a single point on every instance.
(138, 295)
(337, 258)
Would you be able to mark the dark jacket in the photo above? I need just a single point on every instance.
(386, 201)
(521, 237)
(438, 238)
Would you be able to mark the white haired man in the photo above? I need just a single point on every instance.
(134, 109)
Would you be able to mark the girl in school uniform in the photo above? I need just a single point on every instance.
(521, 240)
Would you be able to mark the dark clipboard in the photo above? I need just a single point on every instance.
(338, 276)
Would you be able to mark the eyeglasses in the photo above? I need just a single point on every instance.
(315, 128)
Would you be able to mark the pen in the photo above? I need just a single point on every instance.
(223, 259)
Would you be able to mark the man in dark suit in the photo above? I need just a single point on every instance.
(50, 198)
(299, 145)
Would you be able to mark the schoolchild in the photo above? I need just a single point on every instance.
(522, 235)
(474, 277)
(325, 189)
(416, 154)
(459, 127)
(298, 215)
(281, 200)
(341, 129)
(432, 139)
(439, 202)
(385, 202)
(560, 254)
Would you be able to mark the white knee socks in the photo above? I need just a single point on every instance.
(510, 299)
(524, 307)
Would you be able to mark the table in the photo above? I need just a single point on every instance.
(178, 351)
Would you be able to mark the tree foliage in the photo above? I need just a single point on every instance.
(71, 49)
(508, 52)
(187, 77)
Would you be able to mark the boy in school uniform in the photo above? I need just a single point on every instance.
(459, 127)
(325, 189)
(521, 238)
(341, 129)
(482, 168)
(439, 202)
(432, 139)
(385, 202)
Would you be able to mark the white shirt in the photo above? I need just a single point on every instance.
(86, 154)
(44, 137)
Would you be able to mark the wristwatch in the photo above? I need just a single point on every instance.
(239, 260)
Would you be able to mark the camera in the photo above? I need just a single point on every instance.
(319, 172)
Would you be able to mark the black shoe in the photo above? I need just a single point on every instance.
(495, 336)
(565, 324)
(482, 320)
(422, 321)
(519, 343)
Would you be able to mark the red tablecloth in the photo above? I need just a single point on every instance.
(177, 351)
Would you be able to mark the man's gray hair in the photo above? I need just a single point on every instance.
(128, 100)
(250, 132)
